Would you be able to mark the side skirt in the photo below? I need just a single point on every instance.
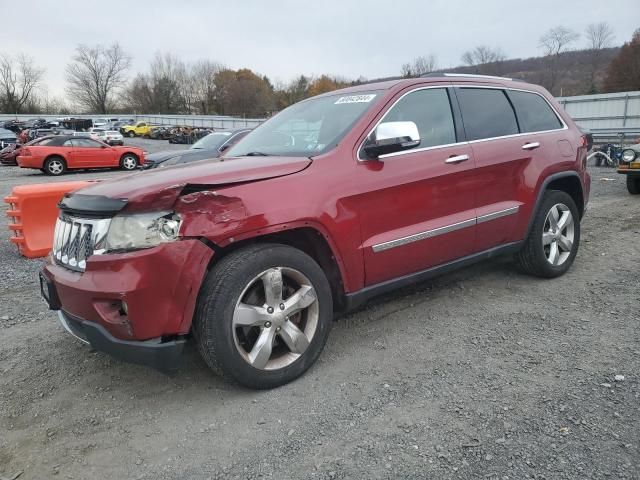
(357, 299)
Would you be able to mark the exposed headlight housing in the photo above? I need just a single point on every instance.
(628, 155)
(143, 230)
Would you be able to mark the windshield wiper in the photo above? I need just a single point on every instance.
(256, 154)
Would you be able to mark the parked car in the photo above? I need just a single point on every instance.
(160, 133)
(188, 135)
(630, 166)
(94, 132)
(7, 137)
(210, 146)
(334, 200)
(62, 153)
(138, 130)
(111, 137)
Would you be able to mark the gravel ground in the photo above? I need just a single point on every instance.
(484, 373)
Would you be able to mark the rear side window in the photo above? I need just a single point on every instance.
(430, 110)
(534, 113)
(486, 113)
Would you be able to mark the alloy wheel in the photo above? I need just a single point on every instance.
(55, 167)
(558, 234)
(275, 318)
(129, 163)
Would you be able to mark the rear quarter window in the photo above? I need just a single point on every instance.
(534, 113)
(486, 113)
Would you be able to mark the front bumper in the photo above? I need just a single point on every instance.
(627, 170)
(135, 296)
(163, 356)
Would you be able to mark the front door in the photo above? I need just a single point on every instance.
(417, 206)
(88, 153)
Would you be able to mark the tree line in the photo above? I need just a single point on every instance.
(98, 78)
(598, 74)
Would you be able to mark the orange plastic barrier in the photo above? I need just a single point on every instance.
(33, 210)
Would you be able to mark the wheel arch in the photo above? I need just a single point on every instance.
(305, 237)
(568, 182)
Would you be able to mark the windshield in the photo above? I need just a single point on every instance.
(213, 141)
(310, 127)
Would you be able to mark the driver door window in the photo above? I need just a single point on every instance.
(430, 110)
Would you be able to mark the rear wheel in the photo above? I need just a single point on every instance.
(554, 238)
(263, 315)
(54, 166)
(633, 184)
(128, 161)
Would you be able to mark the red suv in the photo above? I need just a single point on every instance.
(336, 199)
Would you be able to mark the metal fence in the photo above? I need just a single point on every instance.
(208, 121)
(609, 116)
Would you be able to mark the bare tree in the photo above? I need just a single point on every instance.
(484, 59)
(554, 43)
(19, 77)
(203, 75)
(95, 75)
(599, 37)
(420, 66)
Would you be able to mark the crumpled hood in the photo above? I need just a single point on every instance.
(158, 188)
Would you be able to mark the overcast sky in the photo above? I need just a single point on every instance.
(283, 38)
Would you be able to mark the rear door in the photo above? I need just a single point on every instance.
(501, 162)
(416, 207)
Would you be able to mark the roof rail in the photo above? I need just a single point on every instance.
(471, 75)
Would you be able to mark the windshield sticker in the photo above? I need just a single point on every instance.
(356, 99)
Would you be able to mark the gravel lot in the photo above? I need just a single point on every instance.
(484, 373)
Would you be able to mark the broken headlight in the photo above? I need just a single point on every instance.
(143, 230)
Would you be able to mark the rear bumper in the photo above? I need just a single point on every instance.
(163, 356)
(29, 162)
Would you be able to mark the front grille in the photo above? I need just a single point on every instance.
(76, 239)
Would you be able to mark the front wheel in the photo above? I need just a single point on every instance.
(131, 134)
(263, 315)
(128, 162)
(633, 184)
(554, 238)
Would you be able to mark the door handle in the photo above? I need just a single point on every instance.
(457, 159)
(530, 146)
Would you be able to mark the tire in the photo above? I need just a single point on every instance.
(545, 252)
(131, 134)
(633, 184)
(129, 162)
(239, 279)
(54, 166)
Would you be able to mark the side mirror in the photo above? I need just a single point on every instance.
(391, 137)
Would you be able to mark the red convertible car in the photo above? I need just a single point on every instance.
(62, 153)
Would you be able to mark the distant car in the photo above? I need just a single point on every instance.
(211, 146)
(62, 153)
(99, 122)
(160, 133)
(140, 129)
(630, 166)
(110, 137)
(7, 137)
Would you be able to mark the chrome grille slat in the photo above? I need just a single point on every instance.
(76, 239)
